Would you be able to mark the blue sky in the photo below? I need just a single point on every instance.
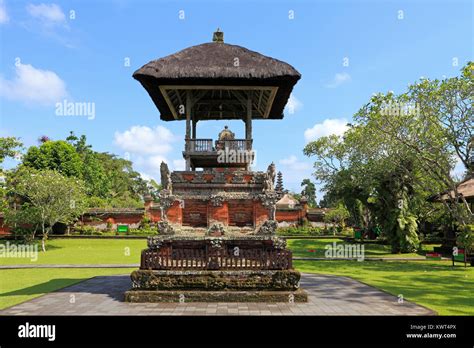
(345, 51)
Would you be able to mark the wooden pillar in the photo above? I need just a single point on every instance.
(188, 115)
(248, 128)
(188, 128)
(248, 120)
(194, 128)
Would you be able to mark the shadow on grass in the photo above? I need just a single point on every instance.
(112, 286)
(439, 286)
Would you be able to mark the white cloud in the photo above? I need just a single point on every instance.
(327, 127)
(339, 79)
(33, 85)
(145, 140)
(294, 171)
(148, 147)
(293, 163)
(293, 105)
(179, 164)
(3, 13)
(48, 14)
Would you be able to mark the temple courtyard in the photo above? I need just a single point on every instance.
(89, 276)
(327, 295)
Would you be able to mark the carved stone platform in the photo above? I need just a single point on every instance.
(255, 268)
(216, 280)
(215, 296)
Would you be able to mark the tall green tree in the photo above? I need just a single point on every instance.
(309, 191)
(47, 197)
(54, 155)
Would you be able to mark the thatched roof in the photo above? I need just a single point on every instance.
(287, 201)
(464, 188)
(215, 64)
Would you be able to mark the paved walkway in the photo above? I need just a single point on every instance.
(328, 295)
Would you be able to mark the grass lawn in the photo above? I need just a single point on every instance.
(316, 248)
(434, 284)
(20, 285)
(84, 251)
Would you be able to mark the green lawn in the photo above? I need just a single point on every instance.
(85, 251)
(20, 285)
(316, 248)
(434, 284)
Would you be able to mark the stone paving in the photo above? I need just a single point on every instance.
(327, 295)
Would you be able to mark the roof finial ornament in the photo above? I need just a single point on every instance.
(218, 36)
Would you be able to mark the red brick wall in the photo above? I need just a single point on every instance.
(219, 214)
(4, 229)
(288, 215)
(260, 213)
(175, 213)
(115, 219)
(240, 212)
(194, 213)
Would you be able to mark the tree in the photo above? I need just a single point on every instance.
(437, 135)
(47, 197)
(54, 155)
(9, 147)
(309, 191)
(338, 215)
(399, 151)
(279, 182)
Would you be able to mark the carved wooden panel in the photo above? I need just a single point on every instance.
(241, 213)
(195, 213)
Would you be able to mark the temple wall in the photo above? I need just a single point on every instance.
(260, 213)
(175, 213)
(219, 214)
(4, 228)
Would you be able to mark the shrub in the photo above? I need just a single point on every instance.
(87, 230)
(299, 231)
(465, 238)
(24, 233)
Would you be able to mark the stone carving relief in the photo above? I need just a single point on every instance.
(165, 177)
(216, 200)
(269, 182)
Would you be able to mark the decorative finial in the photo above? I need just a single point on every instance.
(218, 36)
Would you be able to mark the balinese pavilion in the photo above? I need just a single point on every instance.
(216, 236)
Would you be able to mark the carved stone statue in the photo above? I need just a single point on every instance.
(269, 200)
(165, 177)
(166, 201)
(269, 182)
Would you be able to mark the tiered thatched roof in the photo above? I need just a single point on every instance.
(218, 64)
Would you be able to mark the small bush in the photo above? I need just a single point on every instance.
(88, 231)
(299, 231)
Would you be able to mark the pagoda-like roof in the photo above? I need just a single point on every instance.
(221, 77)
